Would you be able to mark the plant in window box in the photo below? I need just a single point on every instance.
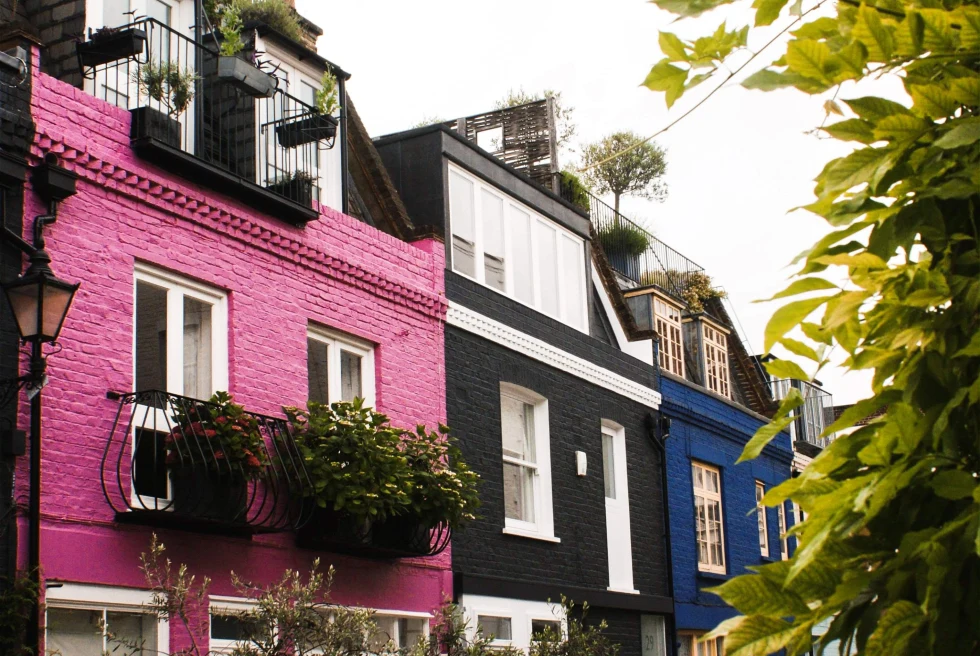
(213, 451)
(320, 124)
(243, 74)
(297, 187)
(172, 89)
(109, 44)
(624, 243)
(358, 472)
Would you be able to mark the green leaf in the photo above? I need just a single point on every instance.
(758, 635)
(963, 133)
(689, 8)
(875, 36)
(666, 77)
(968, 18)
(937, 33)
(901, 127)
(896, 626)
(853, 129)
(757, 595)
(788, 317)
(802, 286)
(932, 100)
(874, 108)
(966, 90)
(799, 348)
(786, 369)
(821, 28)
(808, 58)
(764, 436)
(854, 170)
(769, 80)
(767, 11)
(672, 47)
(953, 484)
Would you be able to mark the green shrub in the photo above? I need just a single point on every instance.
(277, 14)
(574, 191)
(623, 238)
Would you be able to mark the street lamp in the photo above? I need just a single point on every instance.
(40, 302)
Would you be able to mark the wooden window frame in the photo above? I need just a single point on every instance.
(709, 497)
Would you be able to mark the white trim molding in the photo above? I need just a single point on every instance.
(487, 328)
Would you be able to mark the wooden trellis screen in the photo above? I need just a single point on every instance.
(522, 137)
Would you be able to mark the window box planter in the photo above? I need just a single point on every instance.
(105, 48)
(395, 537)
(149, 123)
(201, 492)
(53, 182)
(298, 190)
(243, 75)
(317, 127)
(625, 262)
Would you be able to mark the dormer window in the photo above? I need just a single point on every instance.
(506, 246)
(668, 322)
(716, 360)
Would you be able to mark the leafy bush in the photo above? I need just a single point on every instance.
(574, 191)
(623, 238)
(221, 432)
(16, 599)
(167, 84)
(327, 95)
(443, 487)
(230, 25)
(581, 639)
(277, 14)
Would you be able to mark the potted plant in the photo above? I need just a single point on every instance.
(320, 124)
(109, 44)
(242, 74)
(359, 474)
(173, 89)
(213, 451)
(297, 187)
(623, 243)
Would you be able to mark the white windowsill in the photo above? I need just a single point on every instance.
(622, 591)
(530, 534)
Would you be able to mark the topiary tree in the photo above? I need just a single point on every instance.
(890, 551)
(637, 171)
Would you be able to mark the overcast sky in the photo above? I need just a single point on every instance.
(735, 166)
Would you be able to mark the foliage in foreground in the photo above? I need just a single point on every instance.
(890, 545)
(16, 599)
(295, 617)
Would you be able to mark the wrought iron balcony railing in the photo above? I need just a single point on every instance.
(178, 462)
(632, 250)
(813, 417)
(217, 120)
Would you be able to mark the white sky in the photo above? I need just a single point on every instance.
(735, 166)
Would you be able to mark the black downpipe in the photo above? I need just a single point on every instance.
(660, 423)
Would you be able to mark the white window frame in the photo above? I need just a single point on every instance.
(520, 612)
(177, 288)
(408, 615)
(763, 520)
(783, 541)
(543, 526)
(669, 327)
(81, 596)
(223, 605)
(337, 342)
(717, 376)
(479, 248)
(619, 508)
(708, 497)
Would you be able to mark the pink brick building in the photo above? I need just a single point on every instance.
(186, 287)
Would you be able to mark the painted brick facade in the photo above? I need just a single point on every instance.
(708, 429)
(337, 272)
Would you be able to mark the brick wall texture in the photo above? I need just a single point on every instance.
(705, 428)
(336, 272)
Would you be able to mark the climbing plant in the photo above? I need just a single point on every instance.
(890, 547)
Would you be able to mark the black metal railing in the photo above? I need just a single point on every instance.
(394, 537)
(176, 461)
(631, 249)
(816, 413)
(184, 97)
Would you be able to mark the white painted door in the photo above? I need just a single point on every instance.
(617, 508)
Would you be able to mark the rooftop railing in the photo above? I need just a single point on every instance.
(225, 112)
(816, 413)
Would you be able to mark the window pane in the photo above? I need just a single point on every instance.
(572, 282)
(350, 376)
(461, 215)
(151, 337)
(546, 251)
(150, 464)
(227, 627)
(316, 370)
(307, 93)
(159, 10)
(75, 632)
(518, 225)
(410, 631)
(540, 626)
(386, 631)
(653, 631)
(518, 492)
(132, 630)
(517, 427)
(609, 466)
(493, 240)
(498, 627)
(197, 349)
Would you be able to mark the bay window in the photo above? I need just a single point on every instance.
(526, 463)
(709, 523)
(504, 245)
(668, 326)
(716, 360)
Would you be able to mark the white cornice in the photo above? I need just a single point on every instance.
(487, 328)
